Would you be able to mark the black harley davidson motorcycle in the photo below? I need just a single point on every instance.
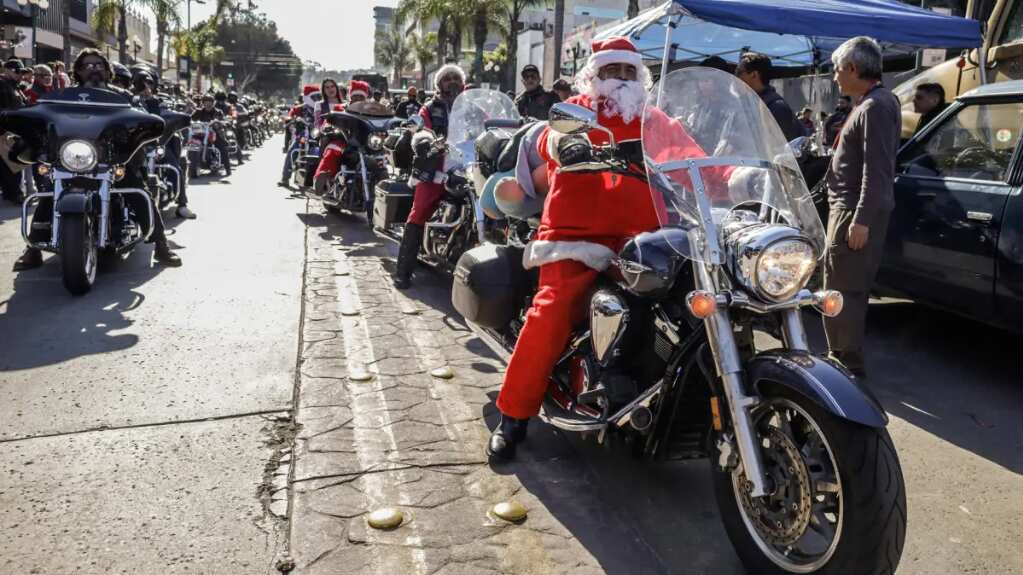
(806, 477)
(362, 130)
(82, 139)
(458, 224)
(165, 180)
(202, 153)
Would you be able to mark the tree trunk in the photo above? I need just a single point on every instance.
(559, 35)
(422, 73)
(65, 17)
(633, 9)
(122, 34)
(442, 39)
(161, 33)
(512, 44)
(456, 42)
(480, 36)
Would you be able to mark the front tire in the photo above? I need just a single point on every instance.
(78, 258)
(840, 502)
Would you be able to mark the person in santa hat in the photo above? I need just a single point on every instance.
(448, 83)
(587, 218)
(330, 162)
(311, 97)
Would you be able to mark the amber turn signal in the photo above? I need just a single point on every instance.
(701, 304)
(830, 302)
(119, 172)
(43, 169)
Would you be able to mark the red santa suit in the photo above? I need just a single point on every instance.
(587, 219)
(330, 160)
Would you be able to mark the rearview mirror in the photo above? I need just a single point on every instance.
(572, 118)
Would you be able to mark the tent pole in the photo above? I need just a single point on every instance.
(668, 28)
(982, 62)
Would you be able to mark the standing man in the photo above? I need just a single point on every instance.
(755, 70)
(928, 101)
(833, 125)
(860, 193)
(11, 98)
(534, 101)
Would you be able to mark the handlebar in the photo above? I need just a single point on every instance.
(502, 123)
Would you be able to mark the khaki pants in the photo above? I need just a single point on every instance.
(852, 273)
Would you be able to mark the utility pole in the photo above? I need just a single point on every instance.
(65, 16)
(559, 33)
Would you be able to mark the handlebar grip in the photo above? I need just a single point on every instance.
(513, 124)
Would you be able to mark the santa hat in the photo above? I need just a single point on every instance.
(358, 87)
(310, 89)
(444, 71)
(614, 50)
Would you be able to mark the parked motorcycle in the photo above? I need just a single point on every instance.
(458, 224)
(805, 475)
(82, 138)
(362, 130)
(202, 153)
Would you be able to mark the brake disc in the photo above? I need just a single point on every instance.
(783, 516)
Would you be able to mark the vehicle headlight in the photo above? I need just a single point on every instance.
(783, 268)
(78, 156)
(376, 143)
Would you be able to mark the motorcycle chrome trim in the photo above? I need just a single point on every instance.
(149, 206)
(794, 331)
(622, 416)
(730, 369)
(31, 201)
(490, 341)
(609, 317)
(177, 172)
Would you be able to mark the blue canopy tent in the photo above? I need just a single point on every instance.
(792, 32)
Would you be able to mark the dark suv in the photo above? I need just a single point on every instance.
(956, 236)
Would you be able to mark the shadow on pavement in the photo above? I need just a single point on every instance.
(954, 378)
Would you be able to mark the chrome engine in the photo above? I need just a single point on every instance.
(609, 316)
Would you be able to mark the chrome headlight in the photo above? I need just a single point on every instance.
(772, 261)
(784, 268)
(78, 156)
(376, 143)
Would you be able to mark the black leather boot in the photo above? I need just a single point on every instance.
(408, 254)
(509, 433)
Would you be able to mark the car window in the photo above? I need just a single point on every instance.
(976, 144)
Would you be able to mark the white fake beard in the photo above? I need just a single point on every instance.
(623, 98)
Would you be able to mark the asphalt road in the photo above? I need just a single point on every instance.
(142, 422)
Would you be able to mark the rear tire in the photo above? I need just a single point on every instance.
(78, 257)
(869, 531)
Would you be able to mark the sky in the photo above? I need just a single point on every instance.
(336, 33)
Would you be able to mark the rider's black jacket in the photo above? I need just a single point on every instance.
(204, 115)
(536, 103)
(439, 112)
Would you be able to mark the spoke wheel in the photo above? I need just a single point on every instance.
(798, 526)
(836, 503)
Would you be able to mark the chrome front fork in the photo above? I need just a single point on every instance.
(730, 368)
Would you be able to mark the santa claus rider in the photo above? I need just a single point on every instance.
(330, 162)
(448, 83)
(587, 218)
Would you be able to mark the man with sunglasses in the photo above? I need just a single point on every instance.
(534, 102)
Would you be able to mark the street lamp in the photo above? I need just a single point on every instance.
(189, 11)
(37, 5)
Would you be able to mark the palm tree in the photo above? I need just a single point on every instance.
(393, 51)
(426, 10)
(111, 17)
(513, 12)
(167, 17)
(424, 48)
(485, 16)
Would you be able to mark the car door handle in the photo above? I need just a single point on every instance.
(982, 217)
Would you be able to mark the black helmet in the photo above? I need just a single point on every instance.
(121, 72)
(232, 97)
(220, 96)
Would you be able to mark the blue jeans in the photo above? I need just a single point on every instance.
(287, 160)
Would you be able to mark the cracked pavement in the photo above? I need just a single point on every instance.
(251, 408)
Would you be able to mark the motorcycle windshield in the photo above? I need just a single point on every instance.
(714, 153)
(471, 109)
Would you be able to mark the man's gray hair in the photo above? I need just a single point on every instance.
(864, 53)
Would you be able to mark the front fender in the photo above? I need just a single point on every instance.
(73, 203)
(820, 380)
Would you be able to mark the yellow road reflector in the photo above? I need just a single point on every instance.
(385, 518)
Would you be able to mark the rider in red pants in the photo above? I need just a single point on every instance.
(448, 83)
(587, 219)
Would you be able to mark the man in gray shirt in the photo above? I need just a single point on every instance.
(860, 194)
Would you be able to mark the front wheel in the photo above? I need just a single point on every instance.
(839, 500)
(78, 258)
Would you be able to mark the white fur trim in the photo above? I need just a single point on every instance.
(540, 252)
(354, 93)
(422, 136)
(600, 59)
(444, 71)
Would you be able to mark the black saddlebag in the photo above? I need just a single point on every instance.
(489, 285)
(393, 203)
